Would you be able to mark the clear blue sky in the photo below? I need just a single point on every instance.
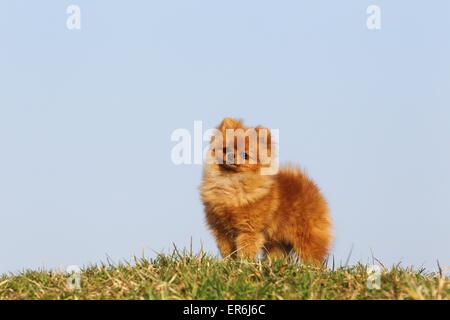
(86, 118)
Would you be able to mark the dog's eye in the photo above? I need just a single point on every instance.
(244, 155)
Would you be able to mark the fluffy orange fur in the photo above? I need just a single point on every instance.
(249, 213)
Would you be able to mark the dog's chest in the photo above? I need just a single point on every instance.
(227, 192)
(233, 192)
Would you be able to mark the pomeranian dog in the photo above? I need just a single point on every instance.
(251, 213)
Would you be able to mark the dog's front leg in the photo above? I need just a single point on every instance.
(249, 244)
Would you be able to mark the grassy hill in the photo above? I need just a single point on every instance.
(186, 276)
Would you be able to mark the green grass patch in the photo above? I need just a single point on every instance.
(200, 276)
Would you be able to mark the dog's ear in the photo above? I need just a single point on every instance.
(264, 134)
(264, 139)
(229, 123)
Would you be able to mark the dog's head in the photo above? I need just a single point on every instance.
(237, 148)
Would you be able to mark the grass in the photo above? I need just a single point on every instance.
(188, 276)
